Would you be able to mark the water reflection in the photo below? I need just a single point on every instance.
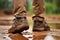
(49, 37)
(52, 37)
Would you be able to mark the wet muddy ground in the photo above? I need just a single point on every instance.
(29, 35)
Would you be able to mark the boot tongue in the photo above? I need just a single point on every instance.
(38, 22)
(20, 18)
(38, 18)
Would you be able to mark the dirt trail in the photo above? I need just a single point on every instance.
(17, 37)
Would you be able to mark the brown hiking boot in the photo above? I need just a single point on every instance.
(20, 24)
(40, 24)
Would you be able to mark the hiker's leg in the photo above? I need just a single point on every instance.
(39, 22)
(20, 22)
(38, 7)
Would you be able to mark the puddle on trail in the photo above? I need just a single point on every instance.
(28, 35)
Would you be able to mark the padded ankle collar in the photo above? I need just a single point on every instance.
(38, 17)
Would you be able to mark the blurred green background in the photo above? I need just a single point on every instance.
(51, 6)
(6, 4)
